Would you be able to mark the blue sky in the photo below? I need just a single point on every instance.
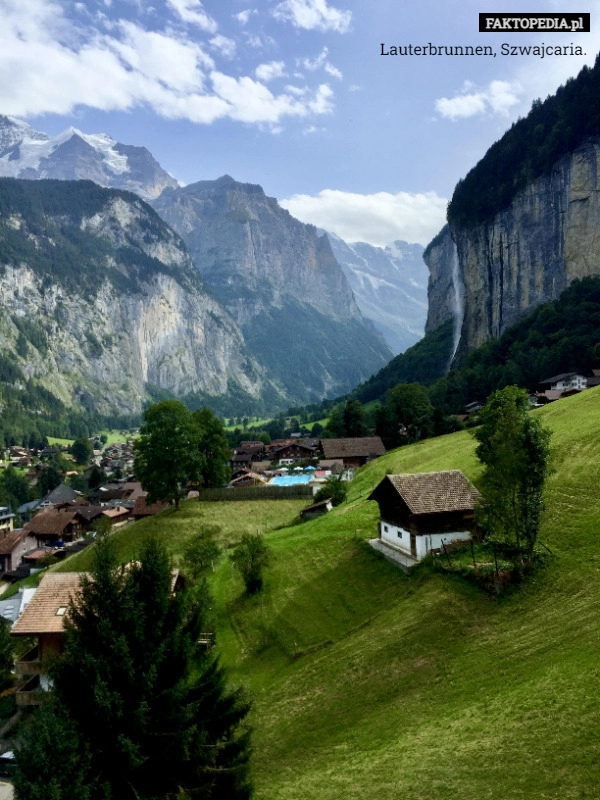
(291, 94)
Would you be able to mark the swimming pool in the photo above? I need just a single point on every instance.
(289, 480)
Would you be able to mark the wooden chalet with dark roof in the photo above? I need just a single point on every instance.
(50, 526)
(353, 452)
(421, 512)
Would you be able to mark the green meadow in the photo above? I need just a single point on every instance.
(368, 683)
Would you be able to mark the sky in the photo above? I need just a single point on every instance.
(294, 95)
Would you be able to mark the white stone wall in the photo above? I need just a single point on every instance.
(399, 538)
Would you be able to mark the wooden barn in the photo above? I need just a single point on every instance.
(419, 512)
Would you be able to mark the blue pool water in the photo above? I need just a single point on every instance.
(289, 480)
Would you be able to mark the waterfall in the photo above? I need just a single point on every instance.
(458, 302)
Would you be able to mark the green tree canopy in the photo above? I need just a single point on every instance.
(213, 448)
(82, 450)
(405, 416)
(514, 448)
(333, 488)
(167, 453)
(144, 704)
(251, 556)
(201, 551)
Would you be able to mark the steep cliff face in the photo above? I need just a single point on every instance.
(99, 299)
(526, 255)
(252, 253)
(281, 282)
(390, 287)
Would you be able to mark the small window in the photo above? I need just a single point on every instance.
(62, 610)
(385, 528)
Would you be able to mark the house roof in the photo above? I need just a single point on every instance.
(50, 522)
(53, 593)
(117, 511)
(561, 377)
(361, 447)
(61, 494)
(140, 508)
(434, 492)
(11, 540)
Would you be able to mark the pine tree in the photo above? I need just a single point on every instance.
(150, 707)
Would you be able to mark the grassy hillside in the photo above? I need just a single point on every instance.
(371, 684)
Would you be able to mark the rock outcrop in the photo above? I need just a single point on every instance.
(390, 287)
(99, 301)
(526, 255)
(282, 284)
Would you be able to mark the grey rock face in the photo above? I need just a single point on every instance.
(273, 272)
(389, 285)
(527, 255)
(106, 345)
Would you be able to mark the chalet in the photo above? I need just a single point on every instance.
(353, 452)
(247, 479)
(13, 544)
(420, 512)
(291, 453)
(43, 619)
(117, 514)
(50, 526)
(566, 381)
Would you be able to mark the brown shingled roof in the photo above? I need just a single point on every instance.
(433, 492)
(141, 509)
(50, 522)
(54, 592)
(359, 447)
(11, 540)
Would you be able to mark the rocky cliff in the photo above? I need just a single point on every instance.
(527, 254)
(99, 302)
(390, 287)
(281, 282)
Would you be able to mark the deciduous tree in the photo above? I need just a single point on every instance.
(213, 448)
(251, 556)
(515, 450)
(167, 451)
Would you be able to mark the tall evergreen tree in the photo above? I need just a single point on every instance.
(147, 704)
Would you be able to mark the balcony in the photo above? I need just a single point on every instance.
(30, 663)
(31, 693)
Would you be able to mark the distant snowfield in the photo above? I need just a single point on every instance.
(32, 149)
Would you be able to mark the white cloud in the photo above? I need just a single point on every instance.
(224, 45)
(313, 15)
(319, 62)
(191, 12)
(498, 98)
(374, 218)
(50, 65)
(270, 71)
(244, 16)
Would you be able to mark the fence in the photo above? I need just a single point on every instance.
(258, 493)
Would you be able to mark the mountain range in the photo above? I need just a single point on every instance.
(292, 329)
